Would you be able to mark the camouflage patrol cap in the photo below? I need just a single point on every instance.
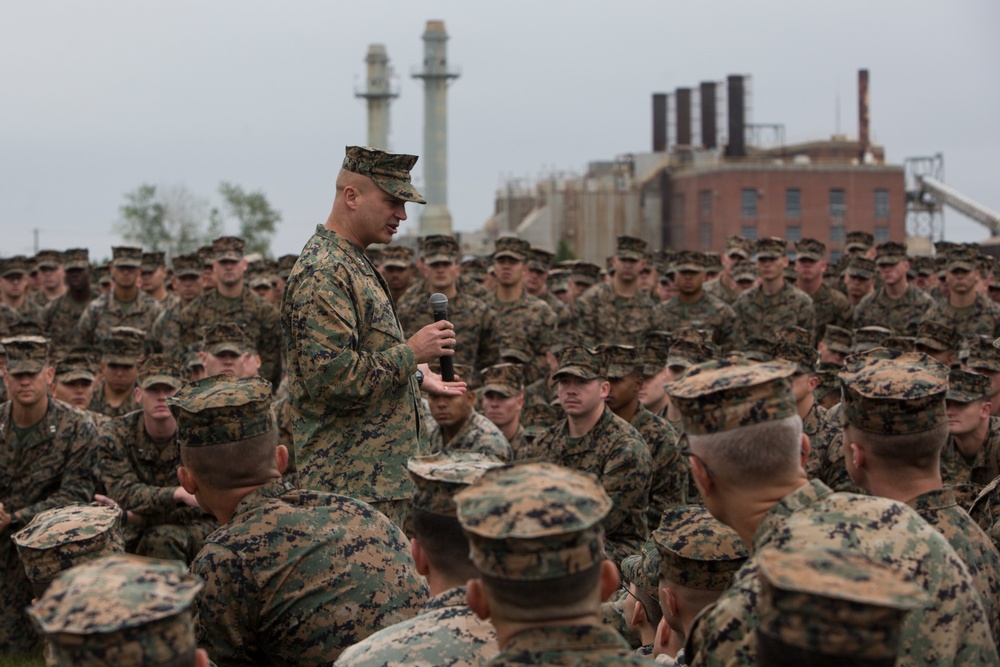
(832, 603)
(119, 610)
(396, 256)
(26, 354)
(619, 360)
(965, 386)
(803, 356)
(584, 272)
(439, 248)
(126, 256)
(374, 253)
(48, 259)
(923, 264)
(771, 248)
(123, 346)
(75, 366)
(686, 352)
(222, 409)
(103, 276)
(76, 258)
(17, 265)
(869, 338)
(739, 246)
(151, 261)
(696, 550)
(516, 347)
(898, 342)
(690, 260)
(983, 355)
(227, 248)
(224, 337)
(838, 339)
(655, 351)
(858, 240)
(791, 276)
(829, 383)
(511, 246)
(963, 258)
(630, 247)
(160, 369)
(810, 249)
(643, 570)
(287, 262)
(438, 477)
(558, 281)
(940, 264)
(713, 263)
(505, 379)
(25, 326)
(790, 333)
(192, 356)
(744, 271)
(889, 253)
(757, 348)
(942, 247)
(580, 362)
(861, 267)
(60, 538)
(890, 392)
(722, 395)
(207, 255)
(534, 521)
(539, 259)
(188, 265)
(389, 171)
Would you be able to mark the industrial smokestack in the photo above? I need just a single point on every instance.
(736, 147)
(378, 94)
(435, 217)
(864, 140)
(684, 116)
(708, 130)
(659, 122)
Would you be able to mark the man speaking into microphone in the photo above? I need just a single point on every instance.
(353, 379)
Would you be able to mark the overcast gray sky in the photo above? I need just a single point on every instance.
(102, 96)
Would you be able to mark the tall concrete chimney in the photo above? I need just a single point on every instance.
(378, 94)
(435, 217)
(707, 98)
(683, 97)
(736, 146)
(659, 122)
(864, 140)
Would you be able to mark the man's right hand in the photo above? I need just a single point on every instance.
(433, 342)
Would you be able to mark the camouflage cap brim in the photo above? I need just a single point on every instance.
(509, 253)
(930, 343)
(502, 389)
(120, 359)
(227, 346)
(25, 366)
(74, 374)
(168, 380)
(397, 263)
(435, 259)
(577, 372)
(126, 263)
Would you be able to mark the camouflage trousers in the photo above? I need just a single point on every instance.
(17, 635)
(170, 541)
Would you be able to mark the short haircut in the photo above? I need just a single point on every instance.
(748, 454)
(546, 599)
(919, 451)
(445, 544)
(234, 465)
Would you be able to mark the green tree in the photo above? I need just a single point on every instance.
(563, 252)
(143, 219)
(163, 219)
(257, 220)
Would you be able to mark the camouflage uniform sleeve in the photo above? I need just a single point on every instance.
(583, 314)
(121, 480)
(223, 613)
(166, 332)
(269, 347)
(79, 477)
(626, 479)
(489, 344)
(732, 334)
(84, 331)
(334, 367)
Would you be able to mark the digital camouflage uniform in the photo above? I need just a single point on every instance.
(826, 454)
(54, 465)
(59, 319)
(478, 434)
(721, 291)
(140, 474)
(982, 318)
(669, 474)
(286, 436)
(969, 476)
(99, 404)
(831, 307)
(706, 314)
(985, 511)
(902, 315)
(350, 375)
(973, 546)
(760, 314)
(615, 452)
(529, 319)
(106, 312)
(475, 333)
(602, 316)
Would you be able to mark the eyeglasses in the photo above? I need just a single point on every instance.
(628, 591)
(687, 453)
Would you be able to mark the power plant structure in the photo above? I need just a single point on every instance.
(435, 218)
(378, 93)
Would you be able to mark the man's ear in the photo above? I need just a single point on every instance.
(281, 458)
(806, 448)
(475, 597)
(610, 579)
(638, 615)
(419, 557)
(137, 394)
(704, 481)
(187, 481)
(663, 633)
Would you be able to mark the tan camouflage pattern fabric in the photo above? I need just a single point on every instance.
(826, 452)
(967, 386)
(894, 393)
(26, 354)
(832, 603)
(476, 342)
(119, 610)
(59, 538)
(220, 337)
(100, 404)
(59, 319)
(446, 632)
(952, 630)
(534, 521)
(505, 379)
(478, 434)
(643, 569)
(937, 335)
(985, 511)
(316, 571)
(438, 477)
(106, 312)
(530, 320)
(982, 318)
(760, 314)
(389, 171)
(124, 345)
(669, 478)
(832, 308)
(221, 409)
(580, 362)
(969, 476)
(902, 315)
(602, 316)
(708, 313)
(568, 646)
(696, 550)
(722, 395)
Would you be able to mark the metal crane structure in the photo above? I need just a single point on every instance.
(927, 194)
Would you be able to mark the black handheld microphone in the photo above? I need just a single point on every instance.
(439, 306)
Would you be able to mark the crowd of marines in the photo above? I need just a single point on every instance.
(761, 456)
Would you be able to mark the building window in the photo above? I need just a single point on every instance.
(837, 234)
(793, 233)
(678, 207)
(748, 232)
(748, 203)
(793, 204)
(881, 233)
(705, 235)
(705, 204)
(838, 203)
(881, 205)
